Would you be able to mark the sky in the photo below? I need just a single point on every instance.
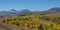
(33, 5)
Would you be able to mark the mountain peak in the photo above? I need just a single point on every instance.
(12, 10)
(54, 9)
(25, 10)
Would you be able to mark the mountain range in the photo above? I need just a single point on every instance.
(12, 12)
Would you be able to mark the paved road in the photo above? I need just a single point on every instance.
(5, 27)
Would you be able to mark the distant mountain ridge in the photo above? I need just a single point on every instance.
(55, 9)
(12, 12)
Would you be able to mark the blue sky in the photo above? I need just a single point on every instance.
(33, 5)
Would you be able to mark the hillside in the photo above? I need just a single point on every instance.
(28, 20)
(32, 22)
